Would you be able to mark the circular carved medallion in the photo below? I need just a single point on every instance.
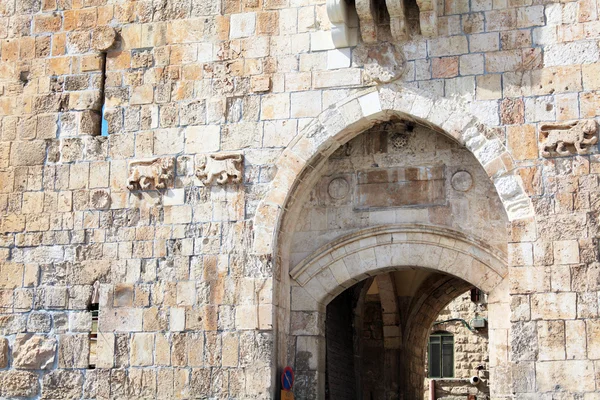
(338, 188)
(462, 181)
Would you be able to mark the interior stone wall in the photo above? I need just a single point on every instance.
(471, 356)
(192, 279)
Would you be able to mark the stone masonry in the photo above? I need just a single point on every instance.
(157, 158)
(471, 355)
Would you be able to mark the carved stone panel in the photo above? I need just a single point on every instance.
(221, 169)
(155, 173)
(568, 138)
(400, 187)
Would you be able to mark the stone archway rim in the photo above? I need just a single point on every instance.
(331, 252)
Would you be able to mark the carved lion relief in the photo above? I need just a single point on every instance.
(156, 173)
(220, 169)
(558, 137)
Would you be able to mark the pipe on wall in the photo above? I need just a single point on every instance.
(431, 389)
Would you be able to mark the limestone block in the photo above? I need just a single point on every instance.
(522, 142)
(73, 351)
(550, 306)
(551, 340)
(103, 38)
(275, 106)
(566, 251)
(177, 319)
(242, 25)
(19, 384)
(105, 350)
(27, 153)
(246, 317)
(3, 352)
(62, 384)
(230, 350)
(260, 83)
(33, 351)
(336, 78)
(575, 340)
(593, 338)
(306, 104)
(571, 375)
(120, 320)
(583, 52)
(142, 348)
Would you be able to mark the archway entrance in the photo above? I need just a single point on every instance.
(418, 270)
(378, 346)
(410, 191)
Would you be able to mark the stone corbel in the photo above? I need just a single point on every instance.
(343, 23)
(221, 169)
(397, 19)
(368, 27)
(428, 17)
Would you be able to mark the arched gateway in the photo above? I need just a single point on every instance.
(457, 259)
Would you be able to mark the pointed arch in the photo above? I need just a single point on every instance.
(355, 114)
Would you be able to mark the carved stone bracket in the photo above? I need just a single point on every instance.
(428, 17)
(368, 27)
(155, 173)
(569, 137)
(344, 23)
(397, 19)
(221, 169)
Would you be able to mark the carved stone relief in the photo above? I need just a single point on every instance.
(335, 190)
(462, 181)
(156, 173)
(221, 169)
(384, 62)
(567, 138)
(100, 199)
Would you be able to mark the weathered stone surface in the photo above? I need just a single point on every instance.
(19, 384)
(3, 352)
(34, 351)
(103, 38)
(73, 351)
(62, 385)
(383, 62)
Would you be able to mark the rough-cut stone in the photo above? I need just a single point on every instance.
(3, 352)
(62, 385)
(19, 384)
(34, 351)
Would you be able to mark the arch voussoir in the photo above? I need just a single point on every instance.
(373, 251)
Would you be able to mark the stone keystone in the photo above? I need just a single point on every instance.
(34, 351)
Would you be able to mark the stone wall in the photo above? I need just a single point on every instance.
(191, 250)
(471, 357)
